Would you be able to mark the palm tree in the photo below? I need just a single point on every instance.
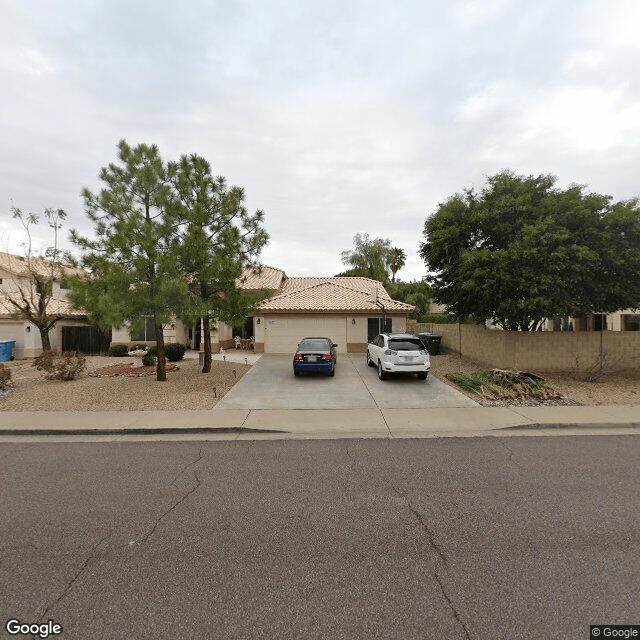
(396, 259)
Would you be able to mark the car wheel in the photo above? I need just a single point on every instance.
(332, 372)
(296, 372)
(370, 362)
(423, 376)
(381, 374)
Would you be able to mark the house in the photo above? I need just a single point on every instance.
(15, 275)
(341, 308)
(623, 320)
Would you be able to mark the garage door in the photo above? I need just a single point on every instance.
(282, 333)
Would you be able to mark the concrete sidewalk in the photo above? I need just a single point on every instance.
(242, 424)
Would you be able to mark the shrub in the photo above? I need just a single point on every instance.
(5, 377)
(60, 366)
(437, 318)
(118, 350)
(152, 351)
(148, 359)
(175, 351)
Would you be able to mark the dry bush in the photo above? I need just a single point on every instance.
(60, 366)
(504, 385)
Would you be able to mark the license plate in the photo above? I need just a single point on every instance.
(312, 359)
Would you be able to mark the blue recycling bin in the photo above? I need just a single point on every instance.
(6, 349)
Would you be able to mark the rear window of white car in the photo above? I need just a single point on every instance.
(405, 345)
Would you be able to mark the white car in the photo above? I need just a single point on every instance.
(398, 353)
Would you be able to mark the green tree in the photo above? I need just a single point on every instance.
(417, 293)
(215, 237)
(396, 259)
(134, 274)
(368, 258)
(522, 250)
(30, 297)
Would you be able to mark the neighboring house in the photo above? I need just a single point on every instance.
(15, 274)
(339, 308)
(625, 320)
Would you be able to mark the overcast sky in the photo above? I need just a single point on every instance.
(337, 117)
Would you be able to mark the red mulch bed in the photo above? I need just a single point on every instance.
(127, 370)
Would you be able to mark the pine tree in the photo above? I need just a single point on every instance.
(134, 274)
(215, 238)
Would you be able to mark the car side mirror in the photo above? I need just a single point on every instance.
(334, 345)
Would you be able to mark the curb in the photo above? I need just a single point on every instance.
(131, 430)
(119, 431)
(571, 425)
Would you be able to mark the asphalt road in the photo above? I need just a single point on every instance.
(437, 538)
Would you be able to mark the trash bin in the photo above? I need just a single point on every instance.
(431, 341)
(6, 349)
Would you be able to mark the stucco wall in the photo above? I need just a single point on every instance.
(563, 351)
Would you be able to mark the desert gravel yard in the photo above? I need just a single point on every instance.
(618, 388)
(185, 389)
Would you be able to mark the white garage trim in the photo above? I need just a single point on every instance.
(282, 333)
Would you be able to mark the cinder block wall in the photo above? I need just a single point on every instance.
(538, 350)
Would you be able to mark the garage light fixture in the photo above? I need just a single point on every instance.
(353, 320)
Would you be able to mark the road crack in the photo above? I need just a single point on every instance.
(425, 526)
(75, 578)
(510, 459)
(440, 554)
(95, 554)
(181, 499)
(175, 505)
(456, 615)
(187, 466)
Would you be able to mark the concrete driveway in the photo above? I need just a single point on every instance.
(271, 385)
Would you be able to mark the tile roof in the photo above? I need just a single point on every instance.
(56, 306)
(332, 294)
(19, 266)
(261, 277)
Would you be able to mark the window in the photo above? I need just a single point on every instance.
(630, 322)
(406, 345)
(314, 345)
(599, 322)
(376, 326)
(148, 332)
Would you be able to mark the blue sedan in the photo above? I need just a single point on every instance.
(315, 354)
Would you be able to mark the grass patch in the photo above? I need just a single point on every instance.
(499, 385)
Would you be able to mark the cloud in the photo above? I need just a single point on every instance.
(337, 117)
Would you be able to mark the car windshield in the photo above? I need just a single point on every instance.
(314, 345)
(405, 345)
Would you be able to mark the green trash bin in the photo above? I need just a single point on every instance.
(431, 341)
